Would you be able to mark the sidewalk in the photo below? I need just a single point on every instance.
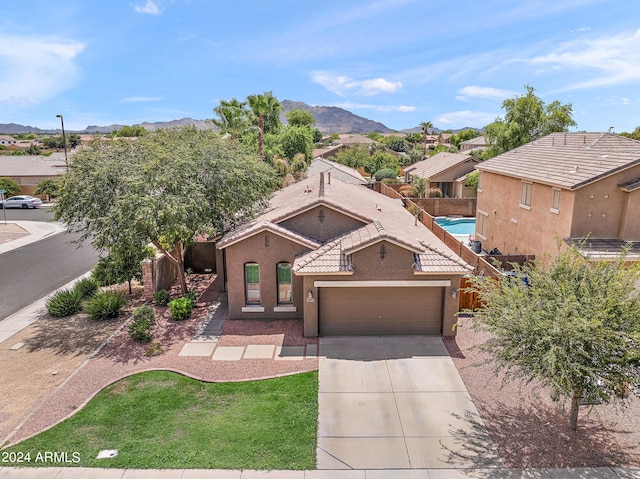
(82, 473)
(16, 234)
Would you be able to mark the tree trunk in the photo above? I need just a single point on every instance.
(575, 404)
(178, 260)
(261, 136)
(130, 290)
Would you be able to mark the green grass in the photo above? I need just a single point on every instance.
(160, 419)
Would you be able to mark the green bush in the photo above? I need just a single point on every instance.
(385, 173)
(86, 288)
(181, 308)
(105, 305)
(161, 298)
(141, 329)
(64, 303)
(192, 295)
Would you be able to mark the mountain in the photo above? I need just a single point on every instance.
(200, 124)
(331, 119)
(14, 129)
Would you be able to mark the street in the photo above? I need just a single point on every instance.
(33, 271)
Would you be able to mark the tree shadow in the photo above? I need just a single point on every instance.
(538, 436)
(76, 335)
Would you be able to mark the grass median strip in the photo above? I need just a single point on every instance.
(160, 419)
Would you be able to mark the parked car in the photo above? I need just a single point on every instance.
(24, 201)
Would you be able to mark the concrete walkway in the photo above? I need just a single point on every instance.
(396, 403)
(35, 231)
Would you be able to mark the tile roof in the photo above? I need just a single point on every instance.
(383, 218)
(597, 248)
(341, 172)
(567, 160)
(438, 164)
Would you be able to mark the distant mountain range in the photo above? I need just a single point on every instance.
(329, 119)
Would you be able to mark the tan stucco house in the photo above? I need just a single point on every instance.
(344, 259)
(567, 186)
(30, 170)
(445, 171)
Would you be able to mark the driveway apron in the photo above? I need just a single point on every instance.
(396, 402)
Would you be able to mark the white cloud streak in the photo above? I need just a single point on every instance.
(140, 99)
(341, 85)
(459, 119)
(149, 8)
(35, 68)
(488, 93)
(347, 105)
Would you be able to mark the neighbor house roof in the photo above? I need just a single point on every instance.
(567, 160)
(382, 218)
(438, 164)
(341, 172)
(31, 165)
(354, 139)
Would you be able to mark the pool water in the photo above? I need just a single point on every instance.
(458, 226)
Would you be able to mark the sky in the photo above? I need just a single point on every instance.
(399, 62)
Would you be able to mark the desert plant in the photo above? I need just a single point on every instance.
(385, 173)
(141, 328)
(192, 295)
(105, 305)
(161, 297)
(181, 308)
(64, 303)
(86, 287)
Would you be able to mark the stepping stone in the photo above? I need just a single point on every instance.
(259, 351)
(198, 349)
(312, 350)
(16, 346)
(228, 353)
(290, 353)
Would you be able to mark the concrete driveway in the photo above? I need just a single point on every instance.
(396, 402)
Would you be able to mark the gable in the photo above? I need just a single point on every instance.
(321, 223)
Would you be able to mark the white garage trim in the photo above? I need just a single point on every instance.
(382, 284)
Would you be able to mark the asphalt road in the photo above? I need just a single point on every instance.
(33, 271)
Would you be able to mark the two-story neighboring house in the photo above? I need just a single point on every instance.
(443, 170)
(564, 186)
(345, 260)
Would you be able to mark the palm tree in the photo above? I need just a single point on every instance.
(266, 109)
(234, 117)
(425, 131)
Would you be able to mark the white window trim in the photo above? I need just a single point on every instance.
(253, 309)
(523, 205)
(552, 209)
(285, 309)
(480, 235)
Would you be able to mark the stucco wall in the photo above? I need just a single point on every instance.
(333, 223)
(255, 250)
(533, 231)
(630, 227)
(455, 172)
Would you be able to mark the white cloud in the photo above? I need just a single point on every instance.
(616, 59)
(35, 68)
(140, 99)
(347, 105)
(474, 91)
(149, 8)
(341, 85)
(459, 119)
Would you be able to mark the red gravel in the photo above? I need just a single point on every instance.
(122, 357)
(530, 430)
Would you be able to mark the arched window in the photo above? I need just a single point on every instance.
(252, 283)
(285, 291)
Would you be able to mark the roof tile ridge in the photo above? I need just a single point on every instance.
(597, 140)
(453, 257)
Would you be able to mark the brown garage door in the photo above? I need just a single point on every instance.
(362, 311)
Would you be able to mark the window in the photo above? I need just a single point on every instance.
(285, 292)
(482, 224)
(555, 200)
(252, 283)
(525, 195)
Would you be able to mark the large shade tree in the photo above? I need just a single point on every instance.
(164, 188)
(526, 118)
(572, 325)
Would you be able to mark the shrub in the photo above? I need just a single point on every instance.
(86, 288)
(385, 173)
(181, 308)
(141, 329)
(161, 297)
(105, 305)
(64, 303)
(192, 295)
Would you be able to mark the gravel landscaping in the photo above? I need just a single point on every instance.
(532, 431)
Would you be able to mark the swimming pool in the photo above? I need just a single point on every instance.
(457, 226)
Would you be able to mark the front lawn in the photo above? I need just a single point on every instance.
(160, 419)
